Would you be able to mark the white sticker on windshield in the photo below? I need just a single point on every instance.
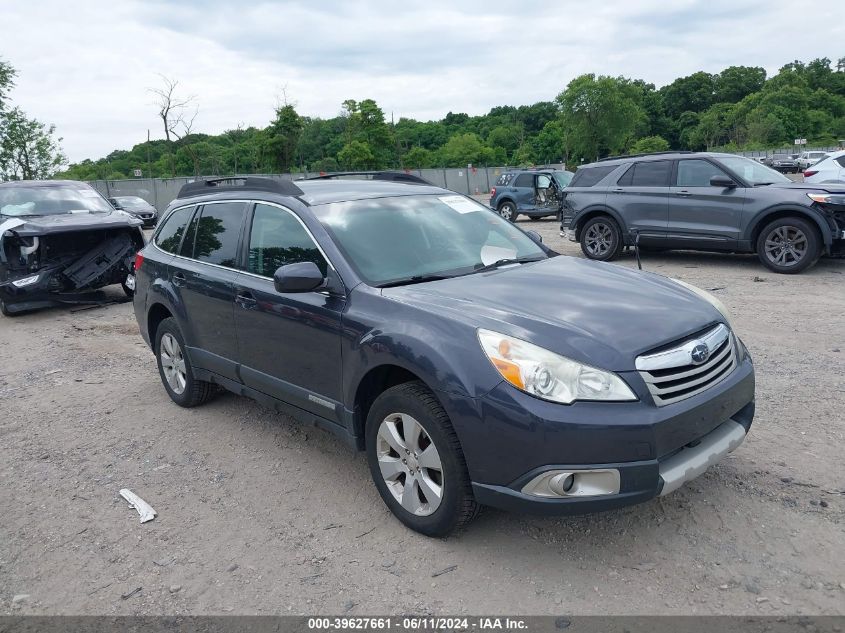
(491, 254)
(461, 204)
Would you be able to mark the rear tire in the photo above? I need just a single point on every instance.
(789, 245)
(601, 239)
(174, 367)
(417, 463)
(508, 211)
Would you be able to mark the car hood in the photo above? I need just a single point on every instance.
(601, 314)
(808, 186)
(68, 222)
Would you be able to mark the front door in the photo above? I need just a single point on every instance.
(289, 343)
(702, 216)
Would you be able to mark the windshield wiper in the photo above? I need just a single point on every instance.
(416, 279)
(506, 261)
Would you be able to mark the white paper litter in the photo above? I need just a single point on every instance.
(461, 204)
(144, 509)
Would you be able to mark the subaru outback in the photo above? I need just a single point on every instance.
(703, 201)
(472, 364)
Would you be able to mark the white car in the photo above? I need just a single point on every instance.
(829, 169)
(808, 159)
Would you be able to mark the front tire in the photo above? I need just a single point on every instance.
(174, 367)
(417, 463)
(508, 211)
(789, 245)
(601, 239)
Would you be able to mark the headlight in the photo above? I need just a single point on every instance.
(713, 301)
(826, 198)
(547, 375)
(25, 281)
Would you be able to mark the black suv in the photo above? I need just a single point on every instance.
(703, 201)
(536, 193)
(474, 365)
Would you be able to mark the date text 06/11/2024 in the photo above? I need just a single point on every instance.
(410, 623)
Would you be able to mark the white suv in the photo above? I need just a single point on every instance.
(829, 169)
(810, 158)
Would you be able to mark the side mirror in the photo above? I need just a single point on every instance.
(299, 277)
(722, 181)
(534, 235)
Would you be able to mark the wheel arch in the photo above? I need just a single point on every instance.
(588, 214)
(157, 313)
(503, 199)
(770, 215)
(371, 385)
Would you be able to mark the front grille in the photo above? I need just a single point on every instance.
(672, 374)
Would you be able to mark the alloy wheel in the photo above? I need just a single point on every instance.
(506, 211)
(599, 239)
(410, 464)
(786, 246)
(173, 363)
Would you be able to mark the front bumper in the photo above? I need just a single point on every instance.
(655, 450)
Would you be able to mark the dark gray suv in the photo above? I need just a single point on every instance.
(703, 201)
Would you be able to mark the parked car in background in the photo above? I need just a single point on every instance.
(830, 169)
(59, 240)
(783, 163)
(536, 193)
(703, 201)
(473, 365)
(137, 206)
(808, 159)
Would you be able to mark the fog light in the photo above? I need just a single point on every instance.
(574, 483)
(26, 281)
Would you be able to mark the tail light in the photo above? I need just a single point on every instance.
(810, 172)
(493, 192)
(139, 259)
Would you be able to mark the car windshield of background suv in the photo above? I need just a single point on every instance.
(415, 237)
(38, 201)
(751, 171)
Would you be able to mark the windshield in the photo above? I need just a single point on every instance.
(751, 171)
(133, 202)
(18, 201)
(389, 240)
(563, 177)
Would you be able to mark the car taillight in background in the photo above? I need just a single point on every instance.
(493, 192)
(810, 172)
(139, 259)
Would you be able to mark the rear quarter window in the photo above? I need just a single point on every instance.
(591, 176)
(169, 236)
(503, 180)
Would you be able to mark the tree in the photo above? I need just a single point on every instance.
(464, 149)
(650, 144)
(7, 82)
(283, 137)
(693, 93)
(28, 148)
(737, 82)
(172, 108)
(356, 155)
(418, 158)
(600, 114)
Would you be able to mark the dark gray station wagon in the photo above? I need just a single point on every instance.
(473, 365)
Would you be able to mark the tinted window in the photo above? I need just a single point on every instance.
(590, 176)
(524, 180)
(627, 177)
(217, 233)
(277, 238)
(697, 173)
(170, 234)
(841, 160)
(654, 173)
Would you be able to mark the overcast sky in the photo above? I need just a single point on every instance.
(86, 65)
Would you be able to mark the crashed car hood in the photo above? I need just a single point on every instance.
(600, 314)
(67, 222)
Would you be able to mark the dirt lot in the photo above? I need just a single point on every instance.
(260, 515)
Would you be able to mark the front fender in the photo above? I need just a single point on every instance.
(761, 218)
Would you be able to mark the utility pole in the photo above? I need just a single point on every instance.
(149, 163)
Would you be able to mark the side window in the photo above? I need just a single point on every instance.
(277, 238)
(217, 233)
(841, 161)
(697, 173)
(654, 173)
(544, 181)
(503, 180)
(591, 176)
(524, 180)
(170, 234)
(187, 249)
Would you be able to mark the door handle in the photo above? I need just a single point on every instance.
(683, 194)
(178, 280)
(617, 191)
(245, 299)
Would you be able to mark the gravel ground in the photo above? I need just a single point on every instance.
(258, 515)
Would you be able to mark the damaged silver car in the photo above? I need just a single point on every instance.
(59, 241)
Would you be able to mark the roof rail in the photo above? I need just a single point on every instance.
(238, 183)
(677, 151)
(390, 176)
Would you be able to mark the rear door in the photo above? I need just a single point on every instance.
(289, 343)
(204, 277)
(522, 188)
(641, 196)
(702, 216)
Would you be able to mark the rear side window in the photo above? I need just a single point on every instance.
(841, 161)
(591, 176)
(503, 180)
(697, 173)
(217, 233)
(278, 238)
(654, 173)
(170, 234)
(524, 180)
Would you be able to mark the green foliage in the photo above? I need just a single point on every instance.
(356, 155)
(650, 144)
(28, 148)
